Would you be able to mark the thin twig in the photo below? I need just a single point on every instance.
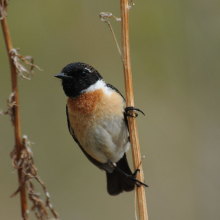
(17, 130)
(135, 205)
(26, 164)
(130, 102)
(104, 17)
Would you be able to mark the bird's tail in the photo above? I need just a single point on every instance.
(116, 182)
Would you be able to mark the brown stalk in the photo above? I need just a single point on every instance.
(17, 130)
(141, 197)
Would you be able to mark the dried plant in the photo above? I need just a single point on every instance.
(29, 172)
(3, 8)
(132, 124)
(20, 69)
(22, 156)
(131, 3)
(125, 56)
(10, 106)
(104, 16)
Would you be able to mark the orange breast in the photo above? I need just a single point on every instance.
(85, 103)
(85, 110)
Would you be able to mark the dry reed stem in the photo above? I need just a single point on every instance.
(26, 164)
(17, 130)
(141, 197)
(22, 156)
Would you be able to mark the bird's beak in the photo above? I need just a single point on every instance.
(62, 76)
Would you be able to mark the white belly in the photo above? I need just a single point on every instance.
(107, 140)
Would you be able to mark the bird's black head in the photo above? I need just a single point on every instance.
(77, 77)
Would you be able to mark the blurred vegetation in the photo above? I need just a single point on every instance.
(175, 53)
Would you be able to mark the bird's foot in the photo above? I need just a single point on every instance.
(132, 176)
(127, 109)
(136, 181)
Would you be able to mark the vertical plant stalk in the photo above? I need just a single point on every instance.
(141, 197)
(17, 130)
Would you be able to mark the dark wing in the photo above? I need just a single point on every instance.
(116, 90)
(102, 166)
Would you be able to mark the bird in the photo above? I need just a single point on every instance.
(97, 120)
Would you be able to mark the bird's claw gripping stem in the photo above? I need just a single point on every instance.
(132, 177)
(132, 109)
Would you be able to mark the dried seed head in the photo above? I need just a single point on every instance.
(10, 107)
(29, 172)
(3, 8)
(104, 17)
(20, 69)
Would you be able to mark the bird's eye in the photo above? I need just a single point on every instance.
(84, 74)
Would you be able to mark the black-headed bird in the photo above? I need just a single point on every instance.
(97, 120)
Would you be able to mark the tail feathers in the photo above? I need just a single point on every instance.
(116, 182)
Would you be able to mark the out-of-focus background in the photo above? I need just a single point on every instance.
(175, 55)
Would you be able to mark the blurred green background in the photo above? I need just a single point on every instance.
(175, 55)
